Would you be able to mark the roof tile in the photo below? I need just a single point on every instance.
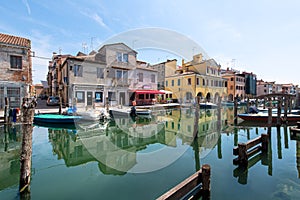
(14, 40)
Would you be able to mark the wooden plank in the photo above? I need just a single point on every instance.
(254, 151)
(253, 142)
(182, 188)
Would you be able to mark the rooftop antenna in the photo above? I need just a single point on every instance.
(84, 47)
(59, 50)
(92, 43)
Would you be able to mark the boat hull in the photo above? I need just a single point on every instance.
(264, 118)
(56, 119)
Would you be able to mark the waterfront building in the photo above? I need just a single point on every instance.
(264, 87)
(250, 84)
(235, 84)
(164, 70)
(198, 77)
(16, 69)
(109, 76)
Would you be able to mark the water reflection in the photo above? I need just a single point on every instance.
(10, 145)
(126, 146)
(120, 145)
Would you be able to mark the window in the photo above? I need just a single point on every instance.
(231, 79)
(172, 82)
(14, 96)
(119, 74)
(203, 82)
(141, 77)
(16, 62)
(122, 57)
(100, 72)
(111, 96)
(78, 70)
(141, 96)
(99, 96)
(152, 78)
(197, 81)
(80, 96)
(166, 83)
(119, 57)
(178, 82)
(125, 57)
(189, 81)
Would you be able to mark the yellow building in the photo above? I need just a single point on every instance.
(198, 77)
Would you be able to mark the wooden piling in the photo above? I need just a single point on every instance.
(270, 113)
(6, 110)
(279, 107)
(285, 109)
(235, 111)
(206, 178)
(264, 142)
(196, 120)
(25, 159)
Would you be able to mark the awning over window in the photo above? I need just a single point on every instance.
(148, 92)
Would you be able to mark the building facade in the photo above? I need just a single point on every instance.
(16, 69)
(164, 69)
(264, 87)
(201, 78)
(109, 76)
(235, 84)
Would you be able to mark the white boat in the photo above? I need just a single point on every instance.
(93, 114)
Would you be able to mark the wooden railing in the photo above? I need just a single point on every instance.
(193, 187)
(245, 150)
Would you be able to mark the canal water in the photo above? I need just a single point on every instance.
(144, 158)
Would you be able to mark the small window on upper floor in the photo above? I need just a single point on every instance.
(78, 69)
(16, 62)
(100, 72)
(189, 81)
(152, 78)
(122, 57)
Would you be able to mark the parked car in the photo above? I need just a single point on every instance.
(53, 101)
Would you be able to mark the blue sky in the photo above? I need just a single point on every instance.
(259, 36)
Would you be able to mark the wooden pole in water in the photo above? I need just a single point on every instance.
(285, 109)
(27, 118)
(235, 111)
(270, 112)
(6, 110)
(206, 180)
(290, 105)
(279, 111)
(196, 120)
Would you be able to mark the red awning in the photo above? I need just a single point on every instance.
(148, 92)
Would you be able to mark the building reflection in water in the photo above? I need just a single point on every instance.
(10, 146)
(115, 145)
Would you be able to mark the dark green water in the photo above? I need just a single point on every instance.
(143, 159)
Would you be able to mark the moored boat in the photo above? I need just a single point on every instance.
(263, 117)
(56, 118)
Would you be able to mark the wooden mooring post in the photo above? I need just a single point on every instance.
(245, 150)
(235, 108)
(6, 110)
(27, 110)
(193, 187)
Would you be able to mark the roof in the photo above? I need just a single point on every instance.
(14, 40)
(115, 44)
